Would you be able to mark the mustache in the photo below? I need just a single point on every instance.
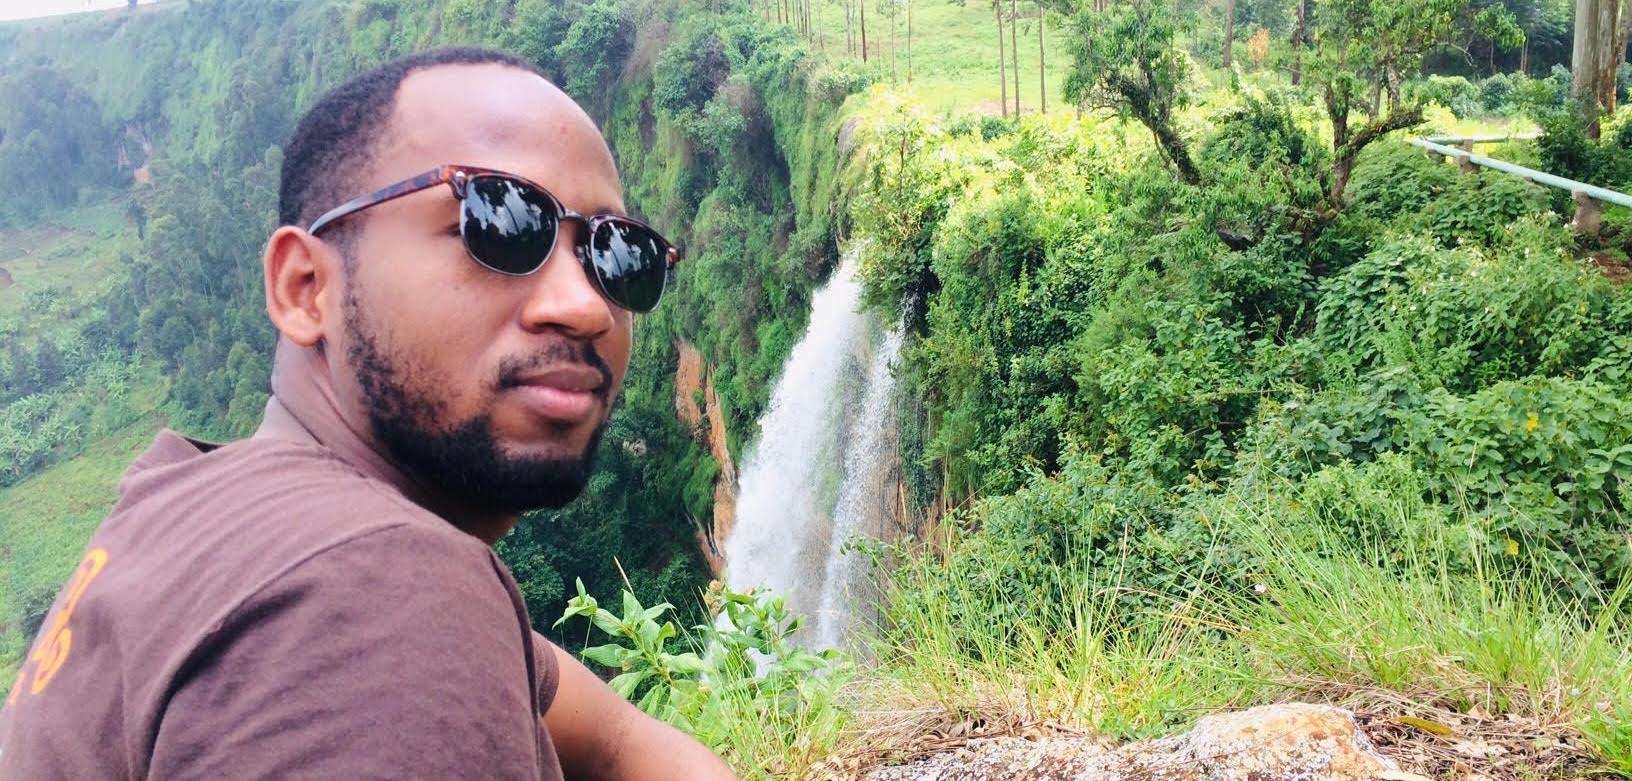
(512, 370)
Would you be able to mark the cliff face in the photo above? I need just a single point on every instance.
(693, 381)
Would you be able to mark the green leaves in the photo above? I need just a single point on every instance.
(744, 658)
(1127, 59)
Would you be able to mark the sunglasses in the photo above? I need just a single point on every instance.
(510, 225)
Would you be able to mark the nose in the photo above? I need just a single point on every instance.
(562, 297)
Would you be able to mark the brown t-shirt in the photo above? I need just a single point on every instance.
(266, 610)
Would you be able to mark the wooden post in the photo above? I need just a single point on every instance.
(1588, 215)
(1463, 164)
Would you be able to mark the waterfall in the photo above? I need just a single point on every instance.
(822, 470)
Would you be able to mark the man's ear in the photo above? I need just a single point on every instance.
(303, 278)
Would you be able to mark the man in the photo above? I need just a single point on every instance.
(321, 600)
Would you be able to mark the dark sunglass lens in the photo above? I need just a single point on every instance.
(632, 262)
(509, 227)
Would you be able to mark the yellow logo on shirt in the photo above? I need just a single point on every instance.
(52, 648)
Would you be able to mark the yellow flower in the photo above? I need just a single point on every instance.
(1532, 423)
(1512, 547)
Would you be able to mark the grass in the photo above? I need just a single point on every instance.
(1498, 661)
(954, 55)
(59, 264)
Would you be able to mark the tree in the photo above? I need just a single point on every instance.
(863, 6)
(1229, 31)
(1593, 59)
(1042, 58)
(1127, 60)
(1300, 38)
(49, 367)
(1014, 50)
(1363, 51)
(1002, 57)
(908, 4)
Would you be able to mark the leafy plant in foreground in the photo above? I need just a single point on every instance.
(743, 686)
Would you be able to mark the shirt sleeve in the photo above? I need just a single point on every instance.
(549, 678)
(396, 654)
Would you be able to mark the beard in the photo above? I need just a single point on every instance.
(463, 459)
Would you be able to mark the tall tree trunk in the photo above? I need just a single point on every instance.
(909, 41)
(863, 5)
(892, 48)
(1297, 43)
(1002, 57)
(1620, 54)
(1014, 49)
(1611, 20)
(849, 35)
(1042, 58)
(1591, 52)
(1617, 55)
(1229, 32)
(1174, 148)
(1524, 55)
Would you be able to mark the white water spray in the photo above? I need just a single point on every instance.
(821, 472)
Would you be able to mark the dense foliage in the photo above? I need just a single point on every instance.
(1109, 356)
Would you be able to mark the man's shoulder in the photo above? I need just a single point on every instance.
(264, 486)
(228, 521)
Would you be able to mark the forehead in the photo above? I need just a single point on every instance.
(501, 117)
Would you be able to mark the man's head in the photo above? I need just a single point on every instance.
(492, 388)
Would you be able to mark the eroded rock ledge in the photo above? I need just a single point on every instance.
(707, 422)
(1293, 742)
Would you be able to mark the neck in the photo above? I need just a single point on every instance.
(305, 408)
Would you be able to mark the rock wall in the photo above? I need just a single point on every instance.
(707, 422)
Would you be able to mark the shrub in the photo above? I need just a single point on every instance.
(1565, 150)
(1393, 178)
(743, 686)
(1468, 317)
(1547, 463)
(1479, 208)
(1496, 93)
(1456, 93)
(593, 50)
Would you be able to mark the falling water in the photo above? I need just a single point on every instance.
(822, 470)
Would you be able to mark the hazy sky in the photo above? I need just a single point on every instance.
(23, 9)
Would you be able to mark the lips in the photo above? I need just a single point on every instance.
(566, 394)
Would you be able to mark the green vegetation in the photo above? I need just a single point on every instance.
(746, 689)
(1221, 393)
(1246, 426)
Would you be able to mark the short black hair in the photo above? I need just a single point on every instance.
(332, 142)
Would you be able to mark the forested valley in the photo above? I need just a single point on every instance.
(1226, 365)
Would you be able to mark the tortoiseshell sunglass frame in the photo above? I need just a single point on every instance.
(458, 178)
